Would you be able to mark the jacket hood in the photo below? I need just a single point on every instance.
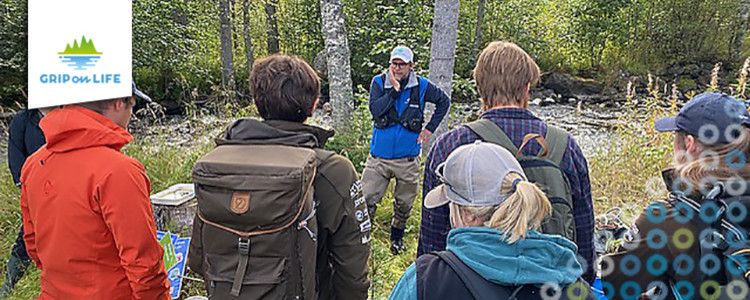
(536, 259)
(412, 82)
(74, 127)
(251, 131)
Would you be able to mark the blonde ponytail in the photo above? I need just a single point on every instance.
(524, 209)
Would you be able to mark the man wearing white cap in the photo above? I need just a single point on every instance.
(397, 102)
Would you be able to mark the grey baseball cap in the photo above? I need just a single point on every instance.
(472, 175)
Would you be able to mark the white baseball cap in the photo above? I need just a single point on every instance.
(472, 175)
(402, 53)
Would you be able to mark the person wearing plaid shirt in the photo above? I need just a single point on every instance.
(504, 74)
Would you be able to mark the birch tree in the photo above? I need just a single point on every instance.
(227, 64)
(739, 34)
(248, 35)
(442, 56)
(339, 69)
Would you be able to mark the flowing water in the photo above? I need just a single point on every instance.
(591, 126)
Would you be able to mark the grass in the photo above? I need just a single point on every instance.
(626, 169)
(622, 175)
(627, 173)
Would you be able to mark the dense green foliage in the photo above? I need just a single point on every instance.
(13, 44)
(176, 42)
(176, 59)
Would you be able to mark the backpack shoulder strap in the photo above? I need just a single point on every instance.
(476, 284)
(490, 132)
(322, 156)
(557, 142)
(414, 96)
(422, 84)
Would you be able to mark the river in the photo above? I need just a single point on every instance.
(591, 126)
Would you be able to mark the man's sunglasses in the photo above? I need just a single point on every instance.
(400, 65)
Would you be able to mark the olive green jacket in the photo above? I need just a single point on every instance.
(343, 223)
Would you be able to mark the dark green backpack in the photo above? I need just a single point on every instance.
(543, 169)
(255, 233)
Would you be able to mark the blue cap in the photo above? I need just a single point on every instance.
(713, 117)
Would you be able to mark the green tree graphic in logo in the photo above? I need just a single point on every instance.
(80, 56)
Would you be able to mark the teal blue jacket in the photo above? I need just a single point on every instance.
(536, 259)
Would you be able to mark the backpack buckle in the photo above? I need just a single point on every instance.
(715, 241)
(243, 246)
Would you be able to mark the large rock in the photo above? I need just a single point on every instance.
(568, 86)
(691, 70)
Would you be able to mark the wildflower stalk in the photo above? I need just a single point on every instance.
(742, 80)
(715, 78)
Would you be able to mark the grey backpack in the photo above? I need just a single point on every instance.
(255, 231)
(543, 169)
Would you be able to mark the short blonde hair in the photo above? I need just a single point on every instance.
(502, 74)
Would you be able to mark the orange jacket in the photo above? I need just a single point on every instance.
(87, 217)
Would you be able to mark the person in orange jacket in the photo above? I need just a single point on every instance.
(87, 217)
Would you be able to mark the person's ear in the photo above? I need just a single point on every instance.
(123, 103)
(314, 106)
(118, 104)
(692, 145)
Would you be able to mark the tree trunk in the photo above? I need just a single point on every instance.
(339, 70)
(227, 64)
(442, 56)
(236, 32)
(478, 31)
(179, 15)
(740, 32)
(248, 35)
(273, 29)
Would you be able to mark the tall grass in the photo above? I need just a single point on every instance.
(629, 176)
(10, 223)
(626, 175)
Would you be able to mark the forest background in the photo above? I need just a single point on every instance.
(640, 58)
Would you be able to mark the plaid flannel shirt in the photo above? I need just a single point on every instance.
(516, 123)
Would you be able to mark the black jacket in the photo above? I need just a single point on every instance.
(24, 138)
(665, 251)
